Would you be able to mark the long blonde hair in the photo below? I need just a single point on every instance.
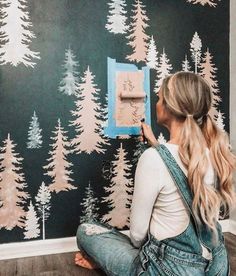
(188, 97)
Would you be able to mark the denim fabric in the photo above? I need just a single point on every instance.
(162, 259)
(111, 250)
(158, 258)
(177, 256)
(202, 231)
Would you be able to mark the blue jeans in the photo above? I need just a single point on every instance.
(113, 252)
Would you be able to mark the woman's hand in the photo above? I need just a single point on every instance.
(147, 134)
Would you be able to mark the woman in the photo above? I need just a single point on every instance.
(179, 188)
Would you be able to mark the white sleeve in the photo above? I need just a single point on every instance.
(146, 188)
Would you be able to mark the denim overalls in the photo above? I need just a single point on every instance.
(176, 256)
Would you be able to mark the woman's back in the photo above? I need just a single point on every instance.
(169, 215)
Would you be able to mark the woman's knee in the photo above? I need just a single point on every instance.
(87, 231)
(80, 235)
(80, 230)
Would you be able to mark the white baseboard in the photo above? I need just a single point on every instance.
(225, 225)
(55, 246)
(228, 225)
(37, 248)
(232, 227)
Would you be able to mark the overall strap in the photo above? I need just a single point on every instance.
(181, 181)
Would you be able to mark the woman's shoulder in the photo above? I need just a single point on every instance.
(151, 157)
(152, 152)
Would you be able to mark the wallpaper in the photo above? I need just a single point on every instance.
(58, 167)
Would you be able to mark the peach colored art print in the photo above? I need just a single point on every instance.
(130, 98)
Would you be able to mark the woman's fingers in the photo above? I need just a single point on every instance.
(147, 134)
(146, 130)
(144, 133)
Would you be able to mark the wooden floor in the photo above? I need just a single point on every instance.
(49, 265)
(63, 264)
(230, 242)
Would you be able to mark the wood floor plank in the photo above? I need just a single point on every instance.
(49, 265)
(63, 264)
(230, 242)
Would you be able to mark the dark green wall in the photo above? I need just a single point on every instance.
(80, 24)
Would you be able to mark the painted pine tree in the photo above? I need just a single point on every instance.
(139, 149)
(16, 34)
(163, 70)
(195, 48)
(161, 139)
(152, 54)
(12, 185)
(116, 20)
(120, 191)
(220, 121)
(69, 83)
(89, 206)
(208, 72)
(104, 112)
(211, 3)
(138, 39)
(59, 168)
(88, 118)
(43, 205)
(185, 65)
(31, 223)
(34, 134)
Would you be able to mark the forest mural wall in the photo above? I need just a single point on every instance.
(57, 168)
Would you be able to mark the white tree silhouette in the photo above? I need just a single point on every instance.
(43, 204)
(120, 191)
(185, 65)
(12, 185)
(89, 118)
(211, 3)
(152, 54)
(31, 223)
(69, 83)
(34, 134)
(195, 48)
(59, 168)
(89, 205)
(161, 139)
(163, 70)
(116, 20)
(208, 72)
(16, 34)
(220, 121)
(139, 149)
(138, 39)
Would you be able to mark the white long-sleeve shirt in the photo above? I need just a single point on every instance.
(156, 200)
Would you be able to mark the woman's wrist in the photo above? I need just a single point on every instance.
(153, 142)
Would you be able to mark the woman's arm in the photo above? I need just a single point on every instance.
(146, 188)
(148, 135)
